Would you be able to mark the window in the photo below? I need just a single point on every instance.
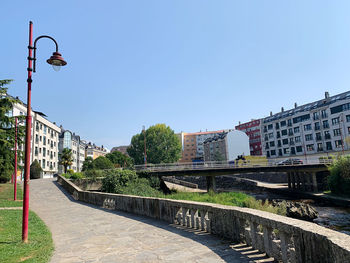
(297, 139)
(292, 150)
(283, 123)
(301, 118)
(269, 127)
(335, 121)
(328, 146)
(39, 150)
(36, 138)
(43, 163)
(316, 116)
(318, 136)
(44, 140)
(317, 126)
(279, 143)
(273, 152)
(290, 131)
(278, 126)
(347, 118)
(324, 114)
(290, 122)
(41, 138)
(338, 143)
(45, 129)
(291, 141)
(336, 132)
(272, 144)
(280, 152)
(308, 137)
(296, 129)
(325, 124)
(286, 150)
(270, 135)
(36, 150)
(320, 147)
(310, 147)
(340, 108)
(278, 135)
(284, 132)
(307, 127)
(349, 130)
(299, 149)
(285, 141)
(44, 151)
(327, 135)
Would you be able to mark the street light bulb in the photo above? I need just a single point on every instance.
(56, 67)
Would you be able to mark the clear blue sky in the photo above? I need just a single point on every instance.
(193, 65)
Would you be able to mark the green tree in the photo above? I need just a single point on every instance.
(88, 164)
(119, 159)
(218, 157)
(35, 170)
(66, 158)
(339, 179)
(162, 145)
(101, 163)
(7, 133)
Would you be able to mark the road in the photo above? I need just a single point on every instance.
(86, 233)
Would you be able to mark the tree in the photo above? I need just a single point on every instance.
(162, 145)
(119, 159)
(88, 164)
(66, 158)
(7, 133)
(218, 157)
(35, 170)
(101, 163)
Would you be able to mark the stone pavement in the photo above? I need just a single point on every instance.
(86, 233)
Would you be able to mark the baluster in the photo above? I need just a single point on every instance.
(267, 240)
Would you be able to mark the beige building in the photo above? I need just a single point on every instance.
(94, 151)
(44, 140)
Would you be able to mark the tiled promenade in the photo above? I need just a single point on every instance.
(85, 233)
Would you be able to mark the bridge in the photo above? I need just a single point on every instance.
(306, 176)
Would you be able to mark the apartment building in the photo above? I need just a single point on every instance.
(192, 145)
(253, 130)
(44, 139)
(226, 146)
(93, 151)
(70, 140)
(317, 128)
(122, 149)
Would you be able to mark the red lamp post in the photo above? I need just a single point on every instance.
(56, 61)
(15, 175)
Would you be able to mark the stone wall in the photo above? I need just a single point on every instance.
(283, 238)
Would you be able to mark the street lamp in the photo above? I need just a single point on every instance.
(57, 61)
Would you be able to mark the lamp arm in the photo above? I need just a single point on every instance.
(43, 36)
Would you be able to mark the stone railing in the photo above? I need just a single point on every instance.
(283, 238)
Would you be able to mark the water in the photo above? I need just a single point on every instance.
(336, 218)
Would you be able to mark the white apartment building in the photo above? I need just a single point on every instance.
(317, 129)
(70, 140)
(44, 140)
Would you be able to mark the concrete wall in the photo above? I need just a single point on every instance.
(295, 240)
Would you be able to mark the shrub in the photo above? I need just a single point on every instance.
(70, 171)
(35, 170)
(77, 176)
(339, 179)
(118, 179)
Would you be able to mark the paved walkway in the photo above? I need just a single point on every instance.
(86, 233)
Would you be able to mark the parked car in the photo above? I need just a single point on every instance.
(290, 161)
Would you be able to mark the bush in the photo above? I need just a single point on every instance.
(70, 171)
(35, 170)
(118, 179)
(339, 179)
(77, 176)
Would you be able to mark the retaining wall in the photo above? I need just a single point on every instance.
(283, 238)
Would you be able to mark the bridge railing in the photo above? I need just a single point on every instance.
(231, 164)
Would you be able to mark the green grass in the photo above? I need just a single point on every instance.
(227, 198)
(6, 195)
(39, 247)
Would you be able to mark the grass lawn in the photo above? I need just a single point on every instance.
(6, 195)
(39, 247)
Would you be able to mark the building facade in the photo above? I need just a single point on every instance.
(192, 145)
(317, 129)
(122, 149)
(70, 140)
(44, 140)
(226, 146)
(93, 151)
(253, 130)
